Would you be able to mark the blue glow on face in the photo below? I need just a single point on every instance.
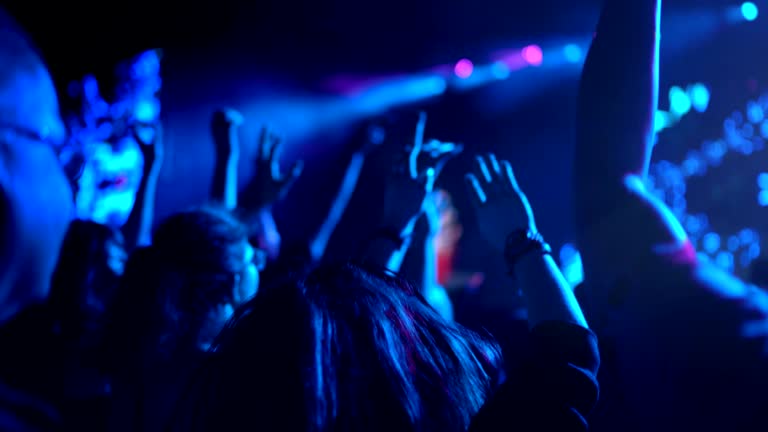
(109, 183)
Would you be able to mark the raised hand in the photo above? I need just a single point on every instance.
(437, 153)
(224, 124)
(149, 137)
(500, 205)
(269, 184)
(413, 180)
(370, 137)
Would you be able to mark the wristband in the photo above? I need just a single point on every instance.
(523, 242)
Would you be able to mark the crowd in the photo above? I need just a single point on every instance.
(205, 321)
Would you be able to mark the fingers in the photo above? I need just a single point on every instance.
(273, 157)
(496, 177)
(482, 171)
(295, 172)
(509, 175)
(476, 193)
(269, 147)
(418, 142)
(233, 117)
(494, 165)
(264, 144)
(228, 116)
(297, 169)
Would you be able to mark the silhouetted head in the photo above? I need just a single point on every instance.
(86, 278)
(346, 350)
(178, 293)
(35, 197)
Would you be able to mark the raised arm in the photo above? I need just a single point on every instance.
(507, 223)
(618, 98)
(138, 228)
(224, 127)
(434, 292)
(556, 387)
(320, 241)
(268, 186)
(404, 198)
(618, 221)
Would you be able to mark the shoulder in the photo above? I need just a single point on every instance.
(554, 390)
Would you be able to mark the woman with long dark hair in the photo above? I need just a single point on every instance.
(345, 349)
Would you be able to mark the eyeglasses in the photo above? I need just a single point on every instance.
(65, 149)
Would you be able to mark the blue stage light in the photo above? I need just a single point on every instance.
(749, 11)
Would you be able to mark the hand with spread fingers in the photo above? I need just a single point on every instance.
(269, 183)
(408, 188)
(500, 204)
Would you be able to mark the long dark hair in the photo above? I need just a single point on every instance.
(169, 288)
(345, 349)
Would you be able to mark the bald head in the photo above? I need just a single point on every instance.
(35, 197)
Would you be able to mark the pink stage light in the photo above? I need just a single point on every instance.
(533, 55)
(464, 68)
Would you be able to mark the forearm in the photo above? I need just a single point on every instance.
(434, 292)
(548, 295)
(339, 205)
(384, 253)
(388, 247)
(261, 224)
(618, 96)
(224, 183)
(138, 229)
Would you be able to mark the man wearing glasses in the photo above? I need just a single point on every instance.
(35, 210)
